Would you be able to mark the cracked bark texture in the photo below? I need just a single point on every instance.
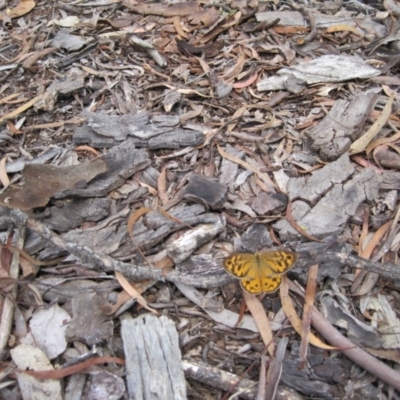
(323, 203)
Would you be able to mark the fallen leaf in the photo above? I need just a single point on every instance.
(260, 317)
(361, 143)
(243, 84)
(41, 182)
(133, 292)
(134, 217)
(292, 316)
(263, 176)
(23, 7)
(73, 369)
(21, 109)
(343, 28)
(308, 306)
(165, 10)
(178, 27)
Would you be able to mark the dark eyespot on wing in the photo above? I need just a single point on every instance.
(272, 283)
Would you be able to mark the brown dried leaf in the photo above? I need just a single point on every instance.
(292, 316)
(178, 27)
(134, 217)
(308, 306)
(133, 292)
(260, 317)
(361, 143)
(209, 50)
(22, 8)
(165, 10)
(263, 176)
(31, 60)
(206, 17)
(63, 372)
(344, 28)
(378, 235)
(378, 142)
(21, 109)
(41, 182)
(248, 82)
(234, 71)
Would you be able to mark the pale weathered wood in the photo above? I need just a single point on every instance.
(326, 200)
(333, 136)
(153, 358)
(102, 130)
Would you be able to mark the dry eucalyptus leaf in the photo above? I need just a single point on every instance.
(44, 181)
(22, 8)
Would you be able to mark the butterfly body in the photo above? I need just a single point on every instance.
(260, 272)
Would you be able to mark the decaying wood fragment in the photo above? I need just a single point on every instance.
(183, 247)
(223, 380)
(326, 199)
(74, 81)
(329, 68)
(333, 136)
(153, 358)
(102, 130)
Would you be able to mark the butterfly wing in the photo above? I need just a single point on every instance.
(269, 284)
(276, 262)
(260, 272)
(252, 282)
(239, 264)
(261, 276)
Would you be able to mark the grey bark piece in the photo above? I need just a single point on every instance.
(19, 164)
(229, 169)
(88, 323)
(153, 359)
(105, 386)
(103, 241)
(390, 180)
(191, 240)
(201, 271)
(145, 241)
(205, 190)
(119, 127)
(188, 215)
(321, 181)
(122, 162)
(72, 215)
(322, 21)
(333, 136)
(85, 134)
(161, 132)
(74, 81)
(156, 227)
(64, 40)
(328, 68)
(255, 238)
(357, 331)
(329, 213)
(269, 203)
(74, 387)
(176, 139)
(318, 378)
(165, 120)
